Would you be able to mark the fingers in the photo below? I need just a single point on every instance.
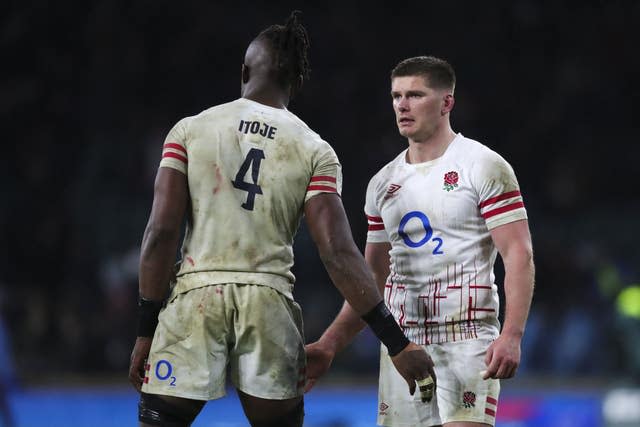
(135, 378)
(491, 370)
(136, 371)
(309, 385)
(432, 374)
(489, 356)
(500, 369)
(427, 388)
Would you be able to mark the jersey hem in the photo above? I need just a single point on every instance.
(190, 281)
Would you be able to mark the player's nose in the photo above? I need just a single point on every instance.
(403, 104)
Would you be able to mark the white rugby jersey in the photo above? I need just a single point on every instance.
(437, 216)
(250, 169)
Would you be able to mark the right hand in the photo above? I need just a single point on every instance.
(319, 358)
(414, 364)
(139, 357)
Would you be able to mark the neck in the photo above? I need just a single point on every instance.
(273, 97)
(432, 147)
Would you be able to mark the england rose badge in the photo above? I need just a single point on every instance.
(450, 180)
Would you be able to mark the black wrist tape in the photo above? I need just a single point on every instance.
(148, 311)
(382, 323)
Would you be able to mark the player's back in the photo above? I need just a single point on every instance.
(250, 168)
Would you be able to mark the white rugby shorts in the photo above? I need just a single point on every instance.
(461, 393)
(254, 331)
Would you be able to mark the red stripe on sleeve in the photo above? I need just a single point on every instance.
(322, 188)
(323, 178)
(491, 400)
(376, 227)
(175, 147)
(490, 412)
(503, 196)
(374, 218)
(498, 211)
(175, 156)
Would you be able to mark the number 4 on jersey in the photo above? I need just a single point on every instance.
(253, 159)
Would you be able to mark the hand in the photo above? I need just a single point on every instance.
(319, 358)
(502, 358)
(414, 364)
(139, 357)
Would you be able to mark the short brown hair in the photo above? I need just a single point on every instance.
(437, 72)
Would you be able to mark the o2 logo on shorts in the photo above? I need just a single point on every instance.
(164, 371)
(426, 224)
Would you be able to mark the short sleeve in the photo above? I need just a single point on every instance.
(327, 175)
(376, 232)
(174, 150)
(500, 199)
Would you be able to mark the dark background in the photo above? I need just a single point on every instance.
(89, 90)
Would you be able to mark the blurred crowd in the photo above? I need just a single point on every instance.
(89, 91)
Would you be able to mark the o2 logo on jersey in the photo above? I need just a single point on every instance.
(164, 371)
(428, 232)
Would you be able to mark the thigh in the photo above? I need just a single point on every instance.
(267, 360)
(188, 356)
(463, 396)
(396, 407)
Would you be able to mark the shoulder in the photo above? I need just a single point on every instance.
(307, 138)
(301, 127)
(217, 110)
(203, 116)
(478, 155)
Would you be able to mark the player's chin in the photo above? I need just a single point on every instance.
(404, 131)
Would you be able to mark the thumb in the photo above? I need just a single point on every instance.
(309, 385)
(489, 355)
(412, 386)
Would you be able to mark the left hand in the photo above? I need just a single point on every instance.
(139, 357)
(502, 358)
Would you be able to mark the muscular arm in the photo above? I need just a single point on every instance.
(158, 253)
(160, 240)
(348, 270)
(330, 231)
(513, 242)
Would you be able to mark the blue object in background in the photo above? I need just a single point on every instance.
(324, 407)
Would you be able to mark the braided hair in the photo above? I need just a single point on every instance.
(291, 44)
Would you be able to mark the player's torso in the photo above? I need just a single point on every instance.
(431, 215)
(442, 254)
(248, 173)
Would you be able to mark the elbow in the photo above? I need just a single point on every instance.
(156, 236)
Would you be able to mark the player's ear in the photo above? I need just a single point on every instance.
(245, 74)
(447, 104)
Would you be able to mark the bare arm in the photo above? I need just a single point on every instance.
(160, 240)
(159, 246)
(513, 242)
(330, 231)
(348, 270)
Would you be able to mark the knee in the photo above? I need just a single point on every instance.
(155, 411)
